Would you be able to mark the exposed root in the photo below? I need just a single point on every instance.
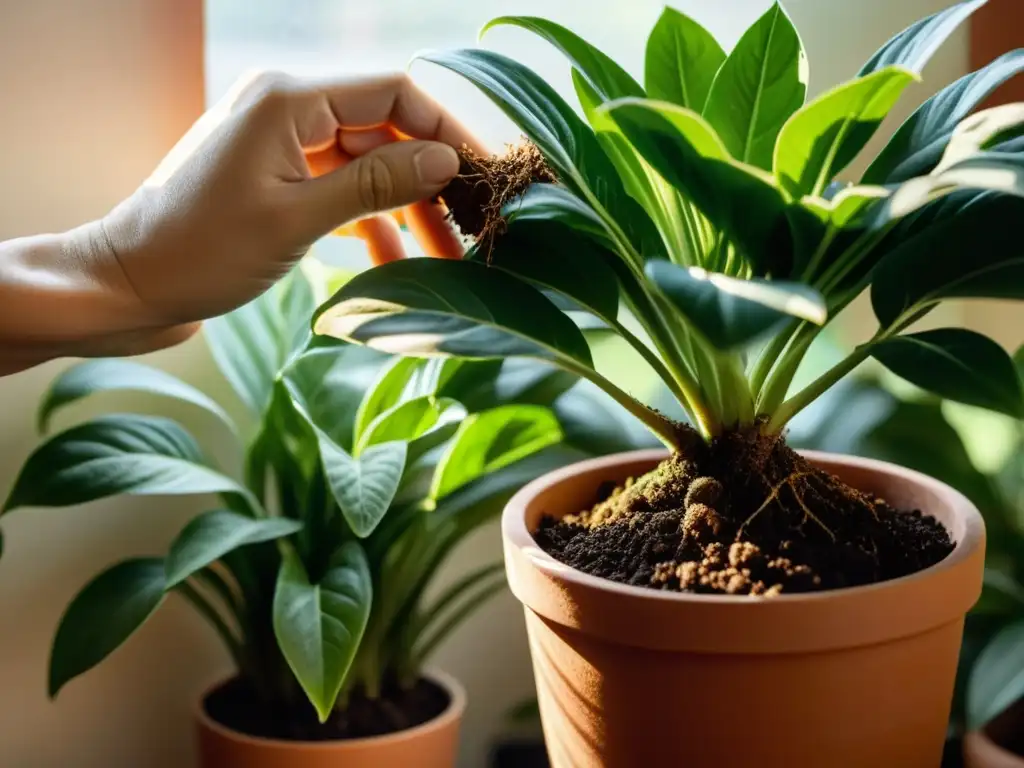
(485, 185)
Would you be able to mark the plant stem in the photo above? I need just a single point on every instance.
(819, 386)
(664, 429)
(213, 616)
(654, 361)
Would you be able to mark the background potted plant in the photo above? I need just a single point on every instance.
(698, 216)
(361, 473)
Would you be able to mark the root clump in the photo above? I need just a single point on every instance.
(484, 185)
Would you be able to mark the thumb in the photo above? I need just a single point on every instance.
(393, 175)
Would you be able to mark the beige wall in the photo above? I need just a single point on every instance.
(94, 92)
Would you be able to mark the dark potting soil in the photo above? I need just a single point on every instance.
(397, 709)
(745, 515)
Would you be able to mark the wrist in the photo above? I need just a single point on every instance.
(62, 291)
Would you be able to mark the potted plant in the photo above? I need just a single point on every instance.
(361, 474)
(729, 601)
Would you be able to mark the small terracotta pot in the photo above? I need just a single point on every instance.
(984, 748)
(851, 678)
(431, 745)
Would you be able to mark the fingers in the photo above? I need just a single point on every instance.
(383, 239)
(395, 100)
(391, 176)
(428, 222)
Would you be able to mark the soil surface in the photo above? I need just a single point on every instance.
(484, 185)
(235, 706)
(745, 515)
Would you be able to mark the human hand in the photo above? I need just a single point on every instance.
(277, 165)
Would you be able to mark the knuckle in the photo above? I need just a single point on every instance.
(271, 89)
(375, 183)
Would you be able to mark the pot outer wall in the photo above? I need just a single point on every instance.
(434, 744)
(630, 676)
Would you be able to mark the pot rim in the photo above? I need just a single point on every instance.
(454, 711)
(557, 591)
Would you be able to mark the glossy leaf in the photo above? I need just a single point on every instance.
(552, 202)
(103, 615)
(917, 146)
(965, 246)
(436, 307)
(956, 364)
(731, 312)
(364, 486)
(386, 392)
(113, 455)
(981, 131)
(488, 441)
(555, 257)
(642, 182)
(610, 80)
(95, 376)
(681, 61)
(821, 139)
(329, 386)
(252, 344)
(410, 420)
(211, 535)
(739, 201)
(319, 626)
(913, 47)
(997, 679)
(568, 144)
(762, 82)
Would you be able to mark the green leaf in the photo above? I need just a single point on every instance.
(731, 312)
(551, 202)
(956, 364)
(821, 139)
(437, 307)
(913, 47)
(103, 615)
(642, 182)
(762, 82)
(556, 257)
(681, 61)
(113, 455)
(567, 143)
(386, 392)
(964, 246)
(94, 376)
(997, 680)
(363, 486)
(253, 343)
(916, 148)
(319, 627)
(981, 131)
(489, 441)
(211, 535)
(610, 80)
(738, 200)
(411, 420)
(329, 385)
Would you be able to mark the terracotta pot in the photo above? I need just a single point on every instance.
(852, 678)
(984, 748)
(431, 745)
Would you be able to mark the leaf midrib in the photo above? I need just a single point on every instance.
(756, 109)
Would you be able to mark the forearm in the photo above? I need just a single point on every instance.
(61, 295)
